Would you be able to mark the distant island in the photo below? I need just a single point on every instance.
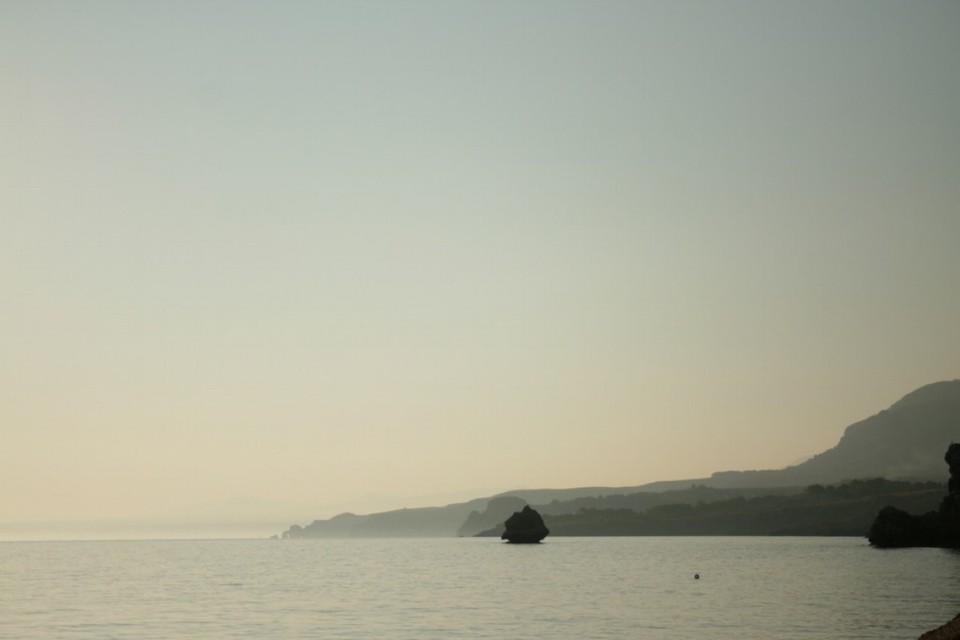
(893, 458)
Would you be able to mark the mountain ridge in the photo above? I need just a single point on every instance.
(904, 441)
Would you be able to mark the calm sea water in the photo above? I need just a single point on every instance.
(784, 588)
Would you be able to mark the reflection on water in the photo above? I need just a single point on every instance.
(476, 588)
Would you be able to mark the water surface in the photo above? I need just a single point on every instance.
(785, 588)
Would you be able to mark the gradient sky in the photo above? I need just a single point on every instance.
(311, 251)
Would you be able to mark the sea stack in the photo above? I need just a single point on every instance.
(525, 527)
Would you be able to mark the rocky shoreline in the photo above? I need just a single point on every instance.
(895, 528)
(949, 631)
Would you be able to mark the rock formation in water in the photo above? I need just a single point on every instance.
(896, 528)
(525, 527)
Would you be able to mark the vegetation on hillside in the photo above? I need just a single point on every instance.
(834, 510)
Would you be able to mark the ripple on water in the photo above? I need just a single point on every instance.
(788, 588)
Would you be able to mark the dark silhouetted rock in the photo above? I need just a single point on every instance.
(525, 527)
(950, 507)
(896, 528)
(952, 458)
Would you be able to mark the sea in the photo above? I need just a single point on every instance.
(564, 588)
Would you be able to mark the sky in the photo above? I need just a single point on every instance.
(316, 251)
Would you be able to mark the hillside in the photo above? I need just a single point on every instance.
(904, 442)
(836, 510)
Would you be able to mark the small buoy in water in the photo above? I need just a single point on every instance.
(696, 576)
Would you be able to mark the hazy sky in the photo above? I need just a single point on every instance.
(311, 251)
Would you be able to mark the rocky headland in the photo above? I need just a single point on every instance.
(896, 528)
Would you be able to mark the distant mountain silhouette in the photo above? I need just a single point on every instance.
(903, 442)
(495, 514)
(420, 522)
